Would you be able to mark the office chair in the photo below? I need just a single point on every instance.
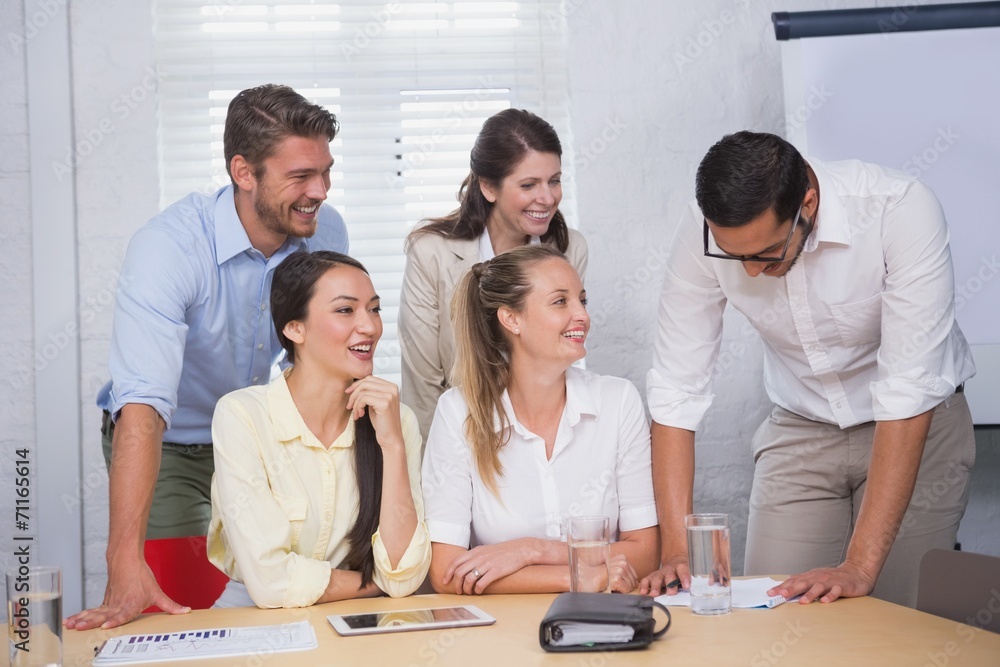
(182, 568)
(960, 586)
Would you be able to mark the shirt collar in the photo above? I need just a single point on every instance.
(832, 223)
(288, 422)
(579, 402)
(486, 245)
(231, 236)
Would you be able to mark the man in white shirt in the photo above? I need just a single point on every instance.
(845, 271)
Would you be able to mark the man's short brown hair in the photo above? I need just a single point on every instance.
(260, 118)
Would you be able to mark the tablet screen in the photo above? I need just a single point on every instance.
(410, 619)
(416, 617)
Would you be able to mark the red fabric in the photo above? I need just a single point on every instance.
(182, 570)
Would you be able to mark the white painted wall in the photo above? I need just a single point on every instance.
(652, 86)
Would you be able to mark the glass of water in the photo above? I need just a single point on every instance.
(589, 541)
(708, 558)
(34, 616)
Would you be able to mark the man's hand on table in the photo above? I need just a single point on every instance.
(826, 584)
(130, 590)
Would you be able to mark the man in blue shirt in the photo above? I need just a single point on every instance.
(192, 323)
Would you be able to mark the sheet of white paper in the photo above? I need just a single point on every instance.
(747, 594)
(576, 634)
(212, 643)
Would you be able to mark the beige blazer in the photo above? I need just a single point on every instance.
(434, 265)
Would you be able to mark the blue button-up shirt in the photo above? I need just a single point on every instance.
(193, 314)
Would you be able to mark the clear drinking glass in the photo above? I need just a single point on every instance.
(34, 616)
(589, 541)
(708, 558)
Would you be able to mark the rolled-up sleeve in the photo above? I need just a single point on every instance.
(921, 359)
(447, 474)
(147, 344)
(634, 476)
(254, 522)
(688, 331)
(412, 567)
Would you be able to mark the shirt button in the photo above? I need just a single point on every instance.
(255, 378)
(260, 346)
(328, 516)
(263, 306)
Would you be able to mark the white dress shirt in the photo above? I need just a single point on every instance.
(600, 466)
(862, 328)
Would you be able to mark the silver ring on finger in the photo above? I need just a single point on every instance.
(475, 573)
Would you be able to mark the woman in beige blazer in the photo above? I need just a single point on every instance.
(510, 198)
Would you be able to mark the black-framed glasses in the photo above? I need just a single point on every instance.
(755, 258)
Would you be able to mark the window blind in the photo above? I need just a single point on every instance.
(410, 82)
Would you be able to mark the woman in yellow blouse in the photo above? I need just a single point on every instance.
(316, 494)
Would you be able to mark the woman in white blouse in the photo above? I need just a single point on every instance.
(316, 491)
(524, 440)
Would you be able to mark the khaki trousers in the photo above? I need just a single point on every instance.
(182, 500)
(810, 477)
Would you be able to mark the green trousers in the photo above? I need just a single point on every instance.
(182, 503)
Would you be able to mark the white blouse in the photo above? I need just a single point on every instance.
(600, 465)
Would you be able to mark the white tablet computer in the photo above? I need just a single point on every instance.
(410, 619)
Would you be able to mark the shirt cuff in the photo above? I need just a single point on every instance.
(163, 408)
(909, 394)
(670, 406)
(636, 518)
(307, 583)
(449, 533)
(412, 568)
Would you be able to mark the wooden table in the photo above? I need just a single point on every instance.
(856, 632)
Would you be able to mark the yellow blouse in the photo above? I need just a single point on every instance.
(282, 504)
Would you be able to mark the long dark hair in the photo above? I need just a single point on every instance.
(292, 287)
(506, 138)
